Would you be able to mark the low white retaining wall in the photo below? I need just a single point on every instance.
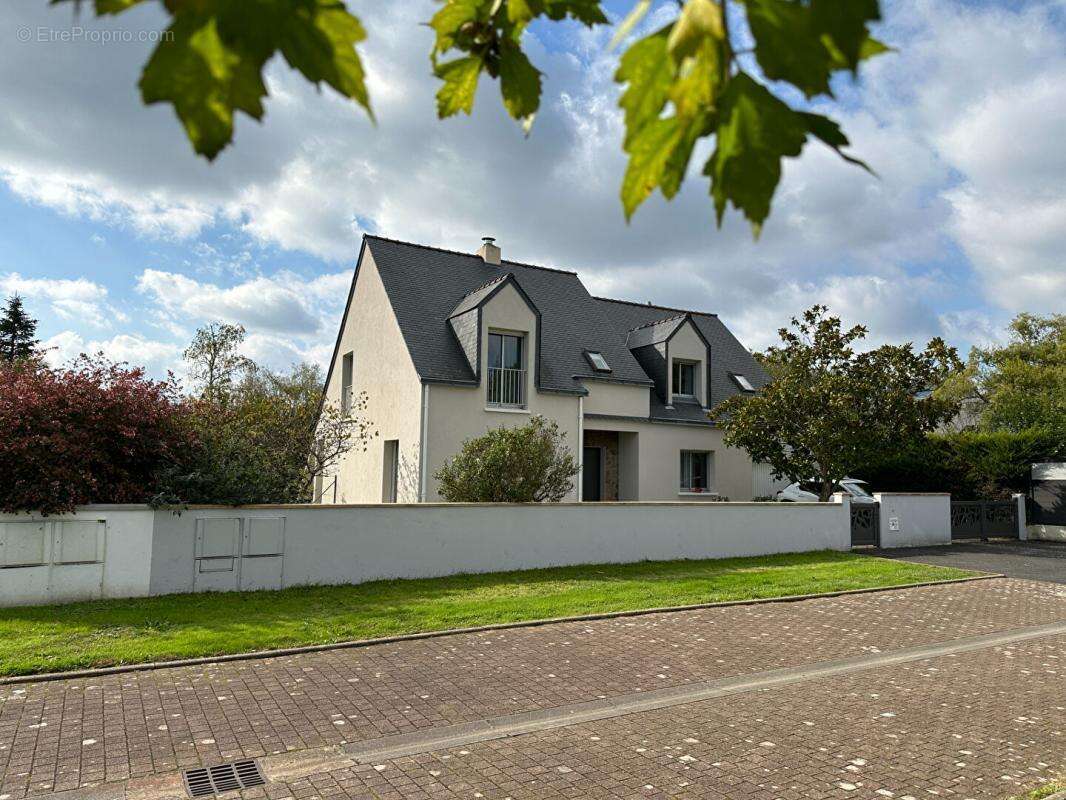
(140, 552)
(914, 520)
(1048, 533)
(99, 551)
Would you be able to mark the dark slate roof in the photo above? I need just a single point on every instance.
(474, 299)
(655, 332)
(427, 285)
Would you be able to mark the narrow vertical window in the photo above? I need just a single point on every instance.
(347, 363)
(390, 471)
(507, 374)
(684, 379)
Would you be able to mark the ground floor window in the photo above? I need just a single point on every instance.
(695, 471)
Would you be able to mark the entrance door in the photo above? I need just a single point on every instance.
(592, 475)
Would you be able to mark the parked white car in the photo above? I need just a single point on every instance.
(807, 491)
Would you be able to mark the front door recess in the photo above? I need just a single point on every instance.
(592, 475)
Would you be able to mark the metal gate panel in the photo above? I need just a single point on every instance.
(865, 524)
(981, 519)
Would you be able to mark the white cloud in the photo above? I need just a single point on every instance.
(986, 87)
(964, 126)
(70, 299)
(281, 304)
(155, 356)
(154, 215)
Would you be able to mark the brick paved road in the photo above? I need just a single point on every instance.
(1006, 703)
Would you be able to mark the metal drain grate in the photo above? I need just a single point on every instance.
(205, 781)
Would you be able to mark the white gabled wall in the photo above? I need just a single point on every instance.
(458, 413)
(384, 369)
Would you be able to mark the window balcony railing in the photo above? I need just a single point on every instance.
(507, 387)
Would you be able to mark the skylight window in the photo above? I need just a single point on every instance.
(599, 363)
(743, 382)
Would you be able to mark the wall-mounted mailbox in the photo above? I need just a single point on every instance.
(23, 544)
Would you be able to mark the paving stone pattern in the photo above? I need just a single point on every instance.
(65, 734)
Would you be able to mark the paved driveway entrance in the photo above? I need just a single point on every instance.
(950, 691)
(1038, 561)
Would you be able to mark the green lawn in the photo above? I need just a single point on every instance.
(107, 632)
(1045, 790)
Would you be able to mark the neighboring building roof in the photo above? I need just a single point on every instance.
(428, 285)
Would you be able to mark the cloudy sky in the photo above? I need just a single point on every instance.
(120, 239)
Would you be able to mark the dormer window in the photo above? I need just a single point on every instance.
(684, 380)
(507, 374)
(743, 382)
(599, 363)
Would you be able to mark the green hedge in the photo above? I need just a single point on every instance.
(970, 464)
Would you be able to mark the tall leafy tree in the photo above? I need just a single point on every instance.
(215, 361)
(264, 440)
(18, 332)
(700, 76)
(829, 408)
(1021, 384)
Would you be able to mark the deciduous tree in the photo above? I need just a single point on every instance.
(265, 441)
(92, 432)
(215, 361)
(1022, 384)
(829, 409)
(700, 76)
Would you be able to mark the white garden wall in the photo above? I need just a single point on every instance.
(914, 520)
(141, 552)
(99, 551)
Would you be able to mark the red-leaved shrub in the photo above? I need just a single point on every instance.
(92, 432)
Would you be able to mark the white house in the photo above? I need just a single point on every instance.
(448, 345)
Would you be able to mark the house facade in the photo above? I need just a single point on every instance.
(449, 345)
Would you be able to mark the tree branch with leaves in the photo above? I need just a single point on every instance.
(698, 77)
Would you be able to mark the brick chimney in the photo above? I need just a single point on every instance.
(488, 251)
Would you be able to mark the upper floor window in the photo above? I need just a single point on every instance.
(599, 363)
(743, 382)
(347, 363)
(507, 374)
(685, 379)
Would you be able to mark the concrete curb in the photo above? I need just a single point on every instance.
(407, 637)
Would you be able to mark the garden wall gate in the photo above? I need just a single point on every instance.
(865, 524)
(981, 519)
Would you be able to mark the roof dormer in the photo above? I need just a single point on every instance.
(500, 312)
(677, 356)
